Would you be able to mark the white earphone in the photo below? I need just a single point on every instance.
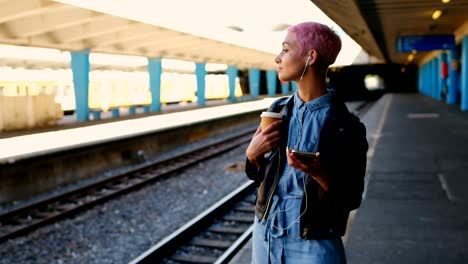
(308, 59)
(305, 67)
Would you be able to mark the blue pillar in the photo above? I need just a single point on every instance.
(254, 82)
(115, 112)
(200, 71)
(464, 75)
(285, 87)
(132, 110)
(271, 82)
(155, 71)
(435, 77)
(442, 80)
(80, 69)
(452, 95)
(294, 86)
(232, 72)
(428, 86)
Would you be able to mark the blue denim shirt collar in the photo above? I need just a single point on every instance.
(314, 104)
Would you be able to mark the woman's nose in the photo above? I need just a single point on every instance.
(277, 59)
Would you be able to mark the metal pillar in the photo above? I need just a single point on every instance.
(80, 69)
(464, 75)
(155, 71)
(428, 87)
(200, 71)
(232, 72)
(442, 87)
(454, 75)
(271, 82)
(254, 82)
(435, 77)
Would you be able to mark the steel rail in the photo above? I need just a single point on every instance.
(169, 245)
(23, 220)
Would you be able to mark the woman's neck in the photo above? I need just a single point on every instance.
(312, 87)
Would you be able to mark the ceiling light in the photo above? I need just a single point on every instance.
(236, 28)
(280, 27)
(445, 1)
(437, 13)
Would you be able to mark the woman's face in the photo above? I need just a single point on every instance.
(290, 63)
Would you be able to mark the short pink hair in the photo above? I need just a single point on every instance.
(312, 35)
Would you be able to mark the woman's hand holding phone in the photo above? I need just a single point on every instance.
(306, 154)
(309, 163)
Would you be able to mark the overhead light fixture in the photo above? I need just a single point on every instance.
(280, 27)
(236, 28)
(445, 1)
(437, 13)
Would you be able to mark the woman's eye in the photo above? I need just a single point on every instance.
(285, 50)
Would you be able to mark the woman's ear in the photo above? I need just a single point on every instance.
(312, 57)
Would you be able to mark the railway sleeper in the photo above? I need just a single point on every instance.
(211, 243)
(193, 259)
(239, 218)
(227, 230)
(246, 209)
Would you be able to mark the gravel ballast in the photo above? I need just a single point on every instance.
(123, 228)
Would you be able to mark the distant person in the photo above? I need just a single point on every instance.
(304, 201)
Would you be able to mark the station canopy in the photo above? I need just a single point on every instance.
(373, 24)
(50, 24)
(376, 24)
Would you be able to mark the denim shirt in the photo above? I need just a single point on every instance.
(304, 129)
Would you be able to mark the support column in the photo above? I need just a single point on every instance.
(435, 77)
(443, 74)
(452, 93)
(271, 82)
(464, 75)
(232, 72)
(200, 71)
(80, 69)
(155, 71)
(427, 79)
(254, 82)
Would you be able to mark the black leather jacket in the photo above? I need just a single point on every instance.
(343, 151)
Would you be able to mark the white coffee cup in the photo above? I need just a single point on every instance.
(269, 117)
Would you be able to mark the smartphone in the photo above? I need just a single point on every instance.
(305, 153)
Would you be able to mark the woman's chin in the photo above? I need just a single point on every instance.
(283, 78)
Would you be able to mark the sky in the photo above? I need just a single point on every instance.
(212, 19)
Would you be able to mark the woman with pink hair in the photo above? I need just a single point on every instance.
(309, 166)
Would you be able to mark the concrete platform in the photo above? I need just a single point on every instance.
(415, 208)
(28, 145)
(416, 205)
(33, 164)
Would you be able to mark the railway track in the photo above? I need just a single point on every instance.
(214, 236)
(28, 218)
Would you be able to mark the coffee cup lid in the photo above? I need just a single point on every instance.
(271, 114)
